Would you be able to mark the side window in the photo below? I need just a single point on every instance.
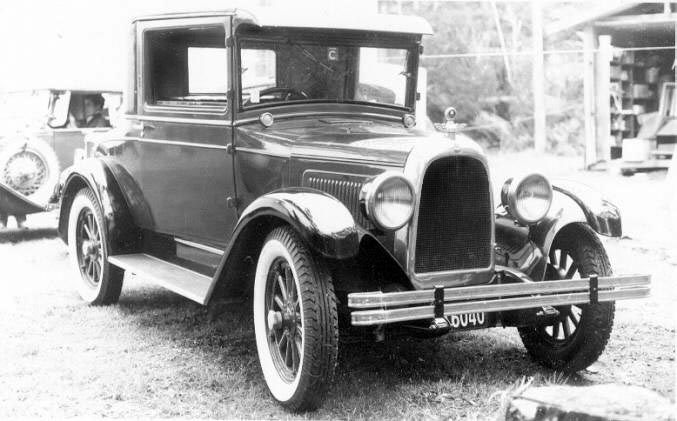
(186, 67)
(258, 70)
(205, 75)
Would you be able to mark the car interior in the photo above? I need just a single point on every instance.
(187, 67)
(281, 66)
(67, 108)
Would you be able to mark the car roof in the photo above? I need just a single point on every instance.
(64, 89)
(87, 90)
(313, 18)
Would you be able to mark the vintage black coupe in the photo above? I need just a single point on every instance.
(277, 157)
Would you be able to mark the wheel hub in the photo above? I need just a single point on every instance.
(22, 169)
(285, 319)
(90, 248)
(25, 172)
(274, 320)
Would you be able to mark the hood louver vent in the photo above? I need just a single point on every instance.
(345, 188)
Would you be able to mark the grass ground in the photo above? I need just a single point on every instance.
(156, 354)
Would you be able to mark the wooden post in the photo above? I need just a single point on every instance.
(589, 45)
(602, 108)
(538, 76)
(501, 40)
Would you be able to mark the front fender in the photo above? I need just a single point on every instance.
(94, 174)
(321, 220)
(14, 203)
(602, 216)
(527, 248)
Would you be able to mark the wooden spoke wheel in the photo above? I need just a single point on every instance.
(579, 335)
(295, 321)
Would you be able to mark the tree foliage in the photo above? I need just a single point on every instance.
(493, 93)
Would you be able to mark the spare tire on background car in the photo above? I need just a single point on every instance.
(30, 167)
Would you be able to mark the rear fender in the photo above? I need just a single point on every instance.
(94, 173)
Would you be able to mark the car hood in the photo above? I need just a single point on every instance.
(343, 140)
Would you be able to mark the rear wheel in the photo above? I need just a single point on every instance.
(579, 335)
(295, 321)
(100, 282)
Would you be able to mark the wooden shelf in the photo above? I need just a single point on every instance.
(633, 67)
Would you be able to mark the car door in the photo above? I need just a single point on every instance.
(182, 132)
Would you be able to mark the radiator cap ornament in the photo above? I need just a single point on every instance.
(450, 127)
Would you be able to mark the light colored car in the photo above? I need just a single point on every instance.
(41, 131)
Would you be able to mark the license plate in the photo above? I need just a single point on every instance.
(468, 321)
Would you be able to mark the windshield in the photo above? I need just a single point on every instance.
(282, 69)
(58, 108)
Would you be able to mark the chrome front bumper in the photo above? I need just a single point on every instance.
(377, 308)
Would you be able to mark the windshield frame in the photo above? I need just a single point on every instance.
(408, 42)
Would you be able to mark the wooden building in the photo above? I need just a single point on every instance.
(629, 58)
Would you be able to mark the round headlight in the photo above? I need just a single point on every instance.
(527, 198)
(388, 201)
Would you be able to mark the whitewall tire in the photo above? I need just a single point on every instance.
(98, 282)
(295, 320)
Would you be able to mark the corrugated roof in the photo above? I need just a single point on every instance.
(600, 12)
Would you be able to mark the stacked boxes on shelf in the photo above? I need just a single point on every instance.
(633, 91)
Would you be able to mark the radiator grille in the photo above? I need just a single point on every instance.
(455, 217)
(343, 187)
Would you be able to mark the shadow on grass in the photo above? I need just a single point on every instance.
(486, 359)
(15, 235)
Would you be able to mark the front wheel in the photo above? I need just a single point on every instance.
(578, 337)
(295, 320)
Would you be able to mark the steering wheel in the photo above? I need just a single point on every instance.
(285, 94)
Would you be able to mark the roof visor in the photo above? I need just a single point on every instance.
(324, 19)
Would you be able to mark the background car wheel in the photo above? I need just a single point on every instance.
(31, 167)
(295, 321)
(100, 282)
(580, 334)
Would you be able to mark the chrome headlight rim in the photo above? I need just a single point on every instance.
(368, 199)
(509, 196)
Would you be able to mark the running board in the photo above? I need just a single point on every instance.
(188, 283)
